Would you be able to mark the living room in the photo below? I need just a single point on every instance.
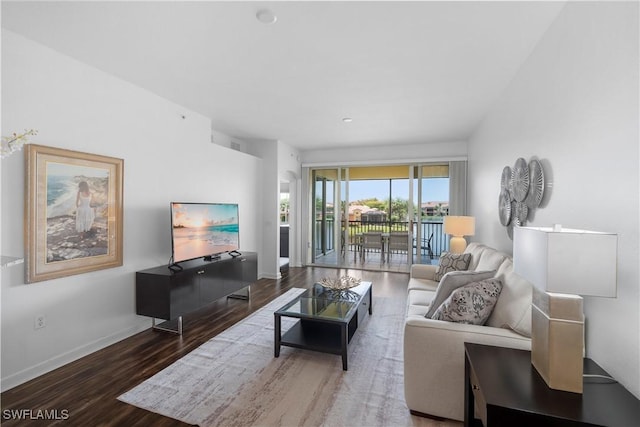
(572, 101)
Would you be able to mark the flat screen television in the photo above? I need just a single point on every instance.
(203, 230)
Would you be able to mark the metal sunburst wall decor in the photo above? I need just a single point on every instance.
(521, 191)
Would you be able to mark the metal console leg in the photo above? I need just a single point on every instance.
(241, 296)
(158, 327)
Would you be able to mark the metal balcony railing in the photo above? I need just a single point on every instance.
(432, 233)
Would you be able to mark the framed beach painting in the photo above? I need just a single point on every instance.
(73, 204)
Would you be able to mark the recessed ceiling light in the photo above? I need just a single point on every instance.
(347, 119)
(266, 16)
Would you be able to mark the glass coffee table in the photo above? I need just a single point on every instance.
(328, 319)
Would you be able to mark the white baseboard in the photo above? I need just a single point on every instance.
(21, 377)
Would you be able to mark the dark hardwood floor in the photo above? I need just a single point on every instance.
(84, 392)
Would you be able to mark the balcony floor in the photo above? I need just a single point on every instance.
(396, 262)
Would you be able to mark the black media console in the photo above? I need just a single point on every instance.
(165, 294)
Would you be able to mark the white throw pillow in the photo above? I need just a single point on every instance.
(471, 303)
(452, 281)
(475, 249)
(490, 259)
(513, 309)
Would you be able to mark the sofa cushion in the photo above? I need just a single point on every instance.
(452, 281)
(422, 284)
(417, 297)
(452, 262)
(513, 309)
(416, 310)
(424, 271)
(471, 303)
(490, 259)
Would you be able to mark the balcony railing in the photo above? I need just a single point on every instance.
(432, 233)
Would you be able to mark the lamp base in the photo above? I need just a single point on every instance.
(557, 339)
(457, 245)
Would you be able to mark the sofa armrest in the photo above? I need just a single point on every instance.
(424, 271)
(434, 362)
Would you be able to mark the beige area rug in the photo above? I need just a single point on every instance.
(234, 379)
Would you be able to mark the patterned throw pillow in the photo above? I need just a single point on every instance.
(452, 281)
(471, 303)
(452, 262)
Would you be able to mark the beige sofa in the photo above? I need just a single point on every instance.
(434, 349)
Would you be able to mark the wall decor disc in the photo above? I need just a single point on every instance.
(520, 180)
(504, 207)
(536, 184)
(521, 213)
(505, 181)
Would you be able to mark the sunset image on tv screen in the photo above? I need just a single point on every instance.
(201, 229)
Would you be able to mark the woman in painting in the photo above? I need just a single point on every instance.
(84, 211)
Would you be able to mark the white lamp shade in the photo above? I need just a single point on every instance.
(460, 225)
(567, 261)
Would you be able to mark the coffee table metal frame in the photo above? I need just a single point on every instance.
(327, 322)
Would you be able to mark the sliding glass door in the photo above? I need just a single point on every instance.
(325, 193)
(432, 197)
(379, 202)
(396, 199)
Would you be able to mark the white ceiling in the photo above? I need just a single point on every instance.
(406, 72)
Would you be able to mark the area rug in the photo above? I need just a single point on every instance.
(235, 380)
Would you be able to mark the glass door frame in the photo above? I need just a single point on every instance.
(337, 238)
(327, 235)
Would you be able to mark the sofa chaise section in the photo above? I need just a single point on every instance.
(434, 349)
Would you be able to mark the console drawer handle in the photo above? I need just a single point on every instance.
(201, 272)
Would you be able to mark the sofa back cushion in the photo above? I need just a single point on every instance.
(452, 281)
(513, 309)
(490, 259)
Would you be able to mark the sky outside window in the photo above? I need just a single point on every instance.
(433, 189)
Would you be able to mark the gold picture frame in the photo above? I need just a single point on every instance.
(73, 206)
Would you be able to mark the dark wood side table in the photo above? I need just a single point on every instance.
(508, 391)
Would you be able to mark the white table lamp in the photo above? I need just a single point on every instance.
(563, 264)
(458, 227)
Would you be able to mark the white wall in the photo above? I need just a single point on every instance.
(227, 141)
(391, 153)
(166, 158)
(289, 170)
(280, 161)
(574, 105)
(269, 263)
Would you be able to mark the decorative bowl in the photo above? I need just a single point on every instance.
(339, 283)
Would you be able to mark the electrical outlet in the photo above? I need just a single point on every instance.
(40, 322)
